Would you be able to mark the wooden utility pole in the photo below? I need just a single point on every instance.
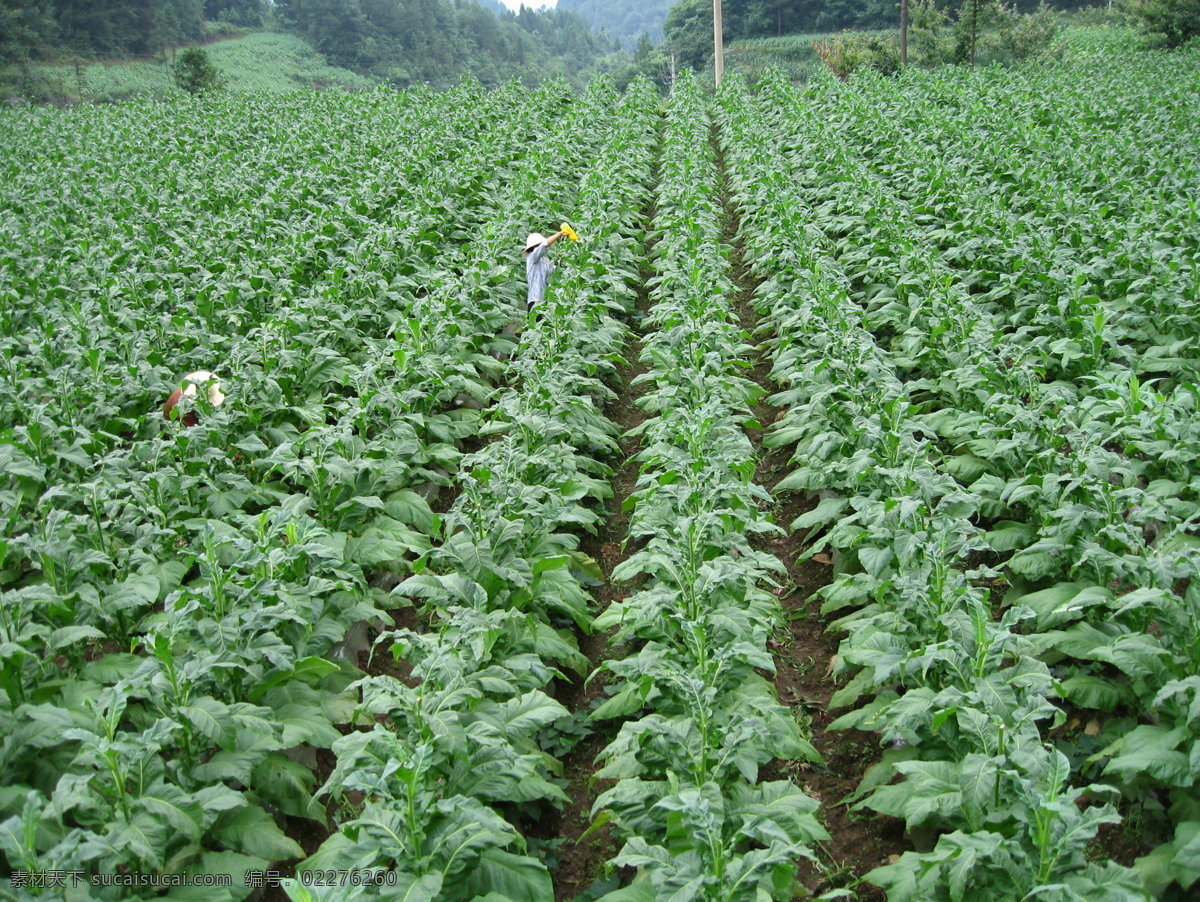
(904, 32)
(718, 43)
(974, 28)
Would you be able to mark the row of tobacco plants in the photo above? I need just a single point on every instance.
(465, 746)
(177, 598)
(988, 384)
(700, 719)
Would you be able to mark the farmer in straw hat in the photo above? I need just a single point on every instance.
(537, 262)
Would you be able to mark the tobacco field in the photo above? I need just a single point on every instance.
(830, 532)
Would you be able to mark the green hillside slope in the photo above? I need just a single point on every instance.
(260, 61)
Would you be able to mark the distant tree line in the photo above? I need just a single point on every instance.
(401, 41)
(36, 29)
(628, 20)
(438, 41)
(624, 20)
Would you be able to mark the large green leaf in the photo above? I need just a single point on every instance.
(511, 876)
(182, 811)
(252, 831)
(288, 786)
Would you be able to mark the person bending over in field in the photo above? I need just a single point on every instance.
(538, 265)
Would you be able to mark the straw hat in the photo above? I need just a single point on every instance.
(534, 239)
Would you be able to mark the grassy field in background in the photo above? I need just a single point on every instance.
(256, 62)
(792, 54)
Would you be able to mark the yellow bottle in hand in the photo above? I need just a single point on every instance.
(566, 229)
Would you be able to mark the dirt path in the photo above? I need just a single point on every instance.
(803, 649)
(581, 858)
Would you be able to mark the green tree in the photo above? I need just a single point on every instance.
(650, 62)
(106, 27)
(1168, 23)
(26, 30)
(337, 28)
(176, 22)
(689, 33)
(195, 73)
(930, 33)
(249, 13)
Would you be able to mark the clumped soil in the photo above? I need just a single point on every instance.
(804, 659)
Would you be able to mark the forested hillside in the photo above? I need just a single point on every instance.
(624, 20)
(437, 41)
(35, 29)
(400, 41)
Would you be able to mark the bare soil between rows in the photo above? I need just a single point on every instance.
(581, 859)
